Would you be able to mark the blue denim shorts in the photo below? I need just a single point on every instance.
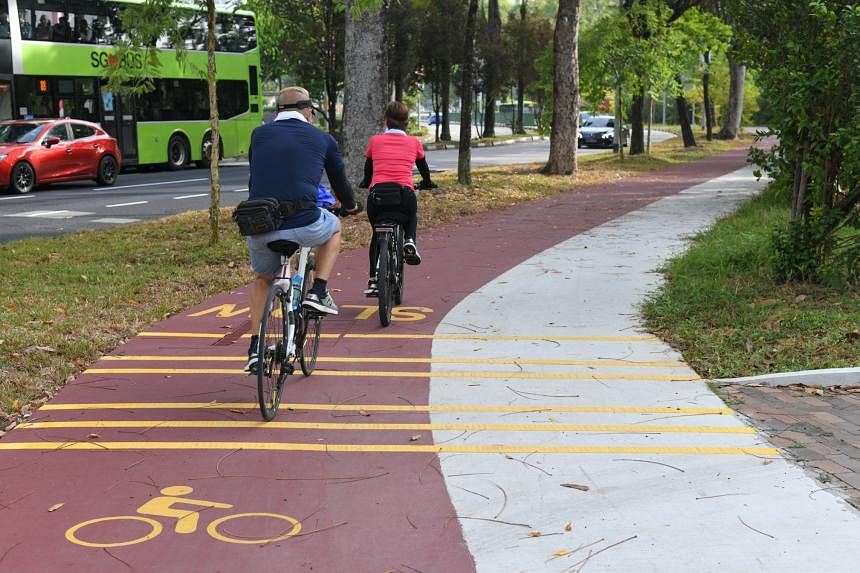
(267, 262)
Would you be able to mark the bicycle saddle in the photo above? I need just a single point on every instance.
(284, 247)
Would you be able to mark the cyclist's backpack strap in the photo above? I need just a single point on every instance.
(386, 194)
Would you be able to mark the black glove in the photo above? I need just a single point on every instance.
(427, 184)
(355, 210)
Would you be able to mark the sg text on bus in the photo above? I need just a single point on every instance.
(104, 59)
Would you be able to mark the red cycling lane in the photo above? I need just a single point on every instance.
(156, 457)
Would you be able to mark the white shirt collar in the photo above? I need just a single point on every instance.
(390, 130)
(289, 114)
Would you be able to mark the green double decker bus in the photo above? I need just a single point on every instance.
(53, 54)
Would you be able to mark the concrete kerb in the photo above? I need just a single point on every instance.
(455, 145)
(826, 377)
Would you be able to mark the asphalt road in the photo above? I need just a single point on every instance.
(137, 196)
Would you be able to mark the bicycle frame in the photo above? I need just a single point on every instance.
(285, 327)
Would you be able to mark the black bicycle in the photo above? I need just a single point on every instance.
(388, 242)
(289, 332)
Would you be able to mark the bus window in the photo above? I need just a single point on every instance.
(5, 30)
(5, 100)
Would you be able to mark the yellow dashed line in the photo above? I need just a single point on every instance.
(348, 359)
(217, 424)
(401, 408)
(387, 448)
(382, 374)
(548, 337)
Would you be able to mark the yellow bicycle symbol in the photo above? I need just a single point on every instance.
(186, 520)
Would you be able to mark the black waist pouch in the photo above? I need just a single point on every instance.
(386, 194)
(257, 216)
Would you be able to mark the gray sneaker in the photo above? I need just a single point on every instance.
(325, 304)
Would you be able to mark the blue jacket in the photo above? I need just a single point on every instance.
(287, 159)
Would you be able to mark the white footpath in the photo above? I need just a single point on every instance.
(658, 511)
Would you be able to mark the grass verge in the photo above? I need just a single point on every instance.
(65, 301)
(721, 307)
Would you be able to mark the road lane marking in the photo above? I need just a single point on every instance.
(115, 221)
(127, 204)
(57, 214)
(548, 337)
(506, 361)
(153, 184)
(192, 196)
(25, 196)
(384, 374)
(240, 190)
(218, 424)
(402, 408)
(389, 448)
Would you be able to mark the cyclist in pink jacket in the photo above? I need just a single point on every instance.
(389, 158)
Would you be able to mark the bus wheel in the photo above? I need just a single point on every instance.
(177, 153)
(206, 151)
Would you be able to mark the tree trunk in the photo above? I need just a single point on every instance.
(565, 111)
(365, 91)
(330, 70)
(519, 127)
(464, 157)
(446, 104)
(706, 96)
(215, 154)
(491, 82)
(637, 123)
(684, 118)
(735, 108)
(650, 121)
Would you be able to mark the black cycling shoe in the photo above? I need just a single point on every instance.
(410, 253)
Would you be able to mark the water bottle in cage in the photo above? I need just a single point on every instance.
(297, 290)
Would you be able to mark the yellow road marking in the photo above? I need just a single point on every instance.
(387, 448)
(548, 337)
(509, 361)
(382, 374)
(210, 424)
(207, 335)
(403, 408)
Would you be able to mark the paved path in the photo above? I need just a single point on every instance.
(512, 418)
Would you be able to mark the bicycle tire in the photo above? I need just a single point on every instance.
(271, 349)
(398, 255)
(385, 278)
(308, 340)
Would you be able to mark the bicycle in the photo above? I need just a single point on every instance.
(388, 242)
(289, 332)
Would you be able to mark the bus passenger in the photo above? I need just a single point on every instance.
(389, 159)
(43, 28)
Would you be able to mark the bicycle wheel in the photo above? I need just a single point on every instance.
(272, 352)
(308, 337)
(398, 256)
(385, 278)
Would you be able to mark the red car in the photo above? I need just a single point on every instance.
(38, 151)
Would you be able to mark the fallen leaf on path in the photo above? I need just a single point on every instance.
(363, 413)
(415, 438)
(767, 462)
(568, 527)
(56, 506)
(561, 553)
(575, 486)
(93, 436)
(535, 533)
